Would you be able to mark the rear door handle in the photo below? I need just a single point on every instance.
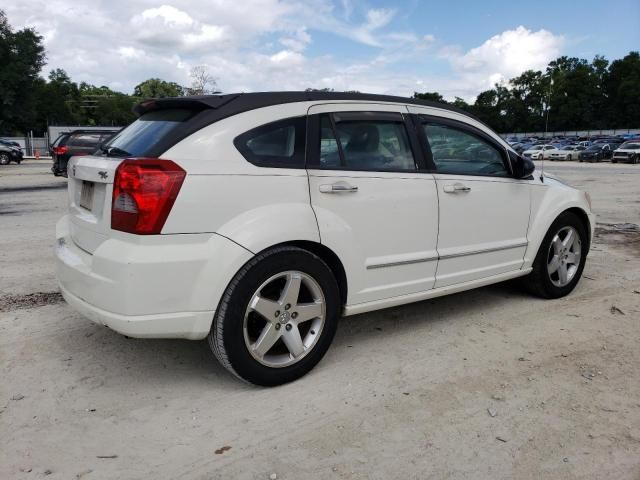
(456, 188)
(338, 188)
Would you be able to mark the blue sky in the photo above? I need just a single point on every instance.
(456, 48)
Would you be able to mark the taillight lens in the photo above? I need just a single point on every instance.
(144, 191)
(60, 150)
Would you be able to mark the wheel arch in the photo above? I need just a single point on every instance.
(328, 256)
(584, 218)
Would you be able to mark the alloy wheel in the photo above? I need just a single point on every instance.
(284, 319)
(563, 258)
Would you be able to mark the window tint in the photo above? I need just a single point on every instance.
(147, 131)
(277, 144)
(367, 144)
(458, 151)
(85, 140)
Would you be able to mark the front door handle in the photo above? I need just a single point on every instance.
(338, 188)
(456, 188)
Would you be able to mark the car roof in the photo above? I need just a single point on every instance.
(234, 103)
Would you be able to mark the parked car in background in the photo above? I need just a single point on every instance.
(628, 152)
(258, 220)
(567, 152)
(10, 152)
(76, 143)
(596, 153)
(539, 152)
(12, 143)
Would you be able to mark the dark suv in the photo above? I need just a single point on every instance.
(10, 152)
(75, 143)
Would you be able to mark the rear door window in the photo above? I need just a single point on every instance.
(278, 144)
(365, 141)
(140, 138)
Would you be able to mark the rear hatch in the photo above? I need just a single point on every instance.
(91, 177)
(90, 187)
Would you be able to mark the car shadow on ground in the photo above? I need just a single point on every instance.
(180, 362)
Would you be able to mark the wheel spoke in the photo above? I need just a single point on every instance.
(266, 308)
(266, 340)
(563, 274)
(573, 258)
(291, 289)
(557, 245)
(553, 265)
(568, 240)
(308, 311)
(293, 341)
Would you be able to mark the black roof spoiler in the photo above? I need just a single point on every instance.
(200, 102)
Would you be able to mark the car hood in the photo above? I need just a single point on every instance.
(628, 150)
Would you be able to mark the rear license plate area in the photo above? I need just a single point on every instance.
(86, 195)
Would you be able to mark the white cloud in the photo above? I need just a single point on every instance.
(268, 45)
(506, 55)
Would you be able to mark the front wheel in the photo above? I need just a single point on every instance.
(4, 159)
(558, 265)
(277, 317)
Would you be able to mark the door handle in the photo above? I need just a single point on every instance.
(338, 188)
(457, 188)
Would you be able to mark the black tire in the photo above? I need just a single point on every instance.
(568, 158)
(226, 338)
(538, 281)
(4, 159)
(614, 161)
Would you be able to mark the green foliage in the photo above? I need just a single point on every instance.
(21, 57)
(583, 95)
(157, 88)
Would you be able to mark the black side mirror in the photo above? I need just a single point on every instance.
(522, 167)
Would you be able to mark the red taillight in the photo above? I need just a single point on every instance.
(144, 190)
(60, 150)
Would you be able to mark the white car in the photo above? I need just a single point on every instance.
(539, 152)
(628, 152)
(568, 152)
(258, 220)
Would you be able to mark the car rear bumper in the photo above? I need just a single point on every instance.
(167, 286)
(189, 325)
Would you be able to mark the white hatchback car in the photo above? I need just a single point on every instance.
(257, 220)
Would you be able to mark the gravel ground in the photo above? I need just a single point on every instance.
(490, 383)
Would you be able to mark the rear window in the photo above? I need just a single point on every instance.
(84, 140)
(139, 138)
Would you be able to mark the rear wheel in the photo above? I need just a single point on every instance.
(560, 260)
(277, 317)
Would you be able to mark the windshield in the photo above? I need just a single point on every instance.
(141, 136)
(630, 145)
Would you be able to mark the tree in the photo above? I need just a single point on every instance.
(202, 82)
(157, 88)
(623, 91)
(22, 57)
(431, 96)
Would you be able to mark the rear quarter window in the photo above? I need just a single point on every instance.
(278, 144)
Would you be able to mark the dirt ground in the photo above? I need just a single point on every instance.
(490, 383)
